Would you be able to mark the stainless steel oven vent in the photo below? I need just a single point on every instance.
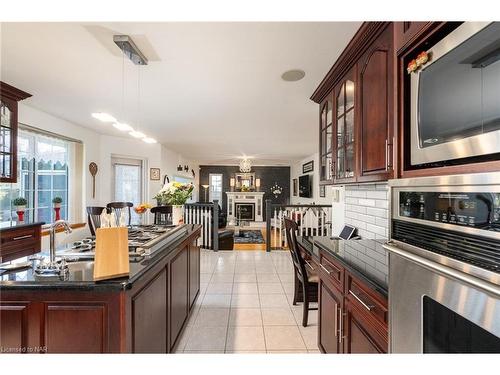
(128, 47)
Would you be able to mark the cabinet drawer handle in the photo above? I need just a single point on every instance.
(324, 269)
(340, 324)
(311, 267)
(22, 237)
(366, 306)
(336, 319)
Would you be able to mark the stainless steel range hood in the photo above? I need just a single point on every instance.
(128, 47)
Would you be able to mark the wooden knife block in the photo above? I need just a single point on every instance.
(111, 253)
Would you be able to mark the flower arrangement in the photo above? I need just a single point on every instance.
(142, 208)
(174, 193)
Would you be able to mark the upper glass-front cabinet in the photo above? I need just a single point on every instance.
(325, 142)
(345, 150)
(9, 96)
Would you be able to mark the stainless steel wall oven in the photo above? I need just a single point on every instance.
(444, 264)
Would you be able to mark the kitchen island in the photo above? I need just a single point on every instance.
(353, 291)
(142, 313)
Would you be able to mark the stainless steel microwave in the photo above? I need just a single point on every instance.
(455, 97)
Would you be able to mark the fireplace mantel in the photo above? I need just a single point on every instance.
(255, 197)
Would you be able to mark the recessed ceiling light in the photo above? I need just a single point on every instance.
(137, 134)
(123, 127)
(293, 75)
(149, 140)
(104, 117)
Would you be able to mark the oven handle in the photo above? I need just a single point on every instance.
(478, 283)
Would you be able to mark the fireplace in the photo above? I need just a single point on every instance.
(245, 211)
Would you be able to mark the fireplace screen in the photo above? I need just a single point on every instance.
(245, 211)
(445, 331)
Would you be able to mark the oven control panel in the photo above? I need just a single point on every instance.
(479, 210)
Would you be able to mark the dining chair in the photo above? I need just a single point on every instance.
(306, 279)
(94, 217)
(161, 215)
(120, 208)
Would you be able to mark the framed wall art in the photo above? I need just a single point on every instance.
(154, 174)
(308, 167)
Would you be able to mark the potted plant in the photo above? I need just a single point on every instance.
(20, 204)
(175, 194)
(57, 207)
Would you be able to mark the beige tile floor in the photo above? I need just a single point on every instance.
(245, 306)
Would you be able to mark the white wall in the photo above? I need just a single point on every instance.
(100, 148)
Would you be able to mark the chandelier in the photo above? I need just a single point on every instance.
(245, 165)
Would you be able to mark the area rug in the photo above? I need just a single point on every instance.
(249, 236)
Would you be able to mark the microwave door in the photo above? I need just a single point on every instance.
(455, 99)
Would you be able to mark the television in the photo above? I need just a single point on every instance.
(305, 186)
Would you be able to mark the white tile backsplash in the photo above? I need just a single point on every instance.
(366, 208)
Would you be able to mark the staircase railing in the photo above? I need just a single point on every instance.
(207, 215)
(312, 220)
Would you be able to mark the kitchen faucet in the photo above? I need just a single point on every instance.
(53, 227)
(53, 268)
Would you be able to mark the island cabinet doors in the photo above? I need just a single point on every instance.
(179, 294)
(60, 322)
(194, 272)
(149, 316)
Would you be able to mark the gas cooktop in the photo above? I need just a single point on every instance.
(142, 240)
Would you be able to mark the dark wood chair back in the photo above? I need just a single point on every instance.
(120, 209)
(162, 215)
(94, 217)
(299, 264)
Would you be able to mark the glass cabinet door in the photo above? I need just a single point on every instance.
(326, 139)
(345, 150)
(6, 146)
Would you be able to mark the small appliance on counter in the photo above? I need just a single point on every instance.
(444, 264)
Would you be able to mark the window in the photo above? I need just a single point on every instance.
(128, 181)
(215, 182)
(43, 174)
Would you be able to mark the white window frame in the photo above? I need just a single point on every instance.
(211, 187)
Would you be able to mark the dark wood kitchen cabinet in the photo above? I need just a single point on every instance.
(194, 273)
(149, 306)
(352, 316)
(329, 307)
(376, 125)
(326, 140)
(363, 83)
(405, 32)
(344, 143)
(20, 241)
(179, 294)
(9, 98)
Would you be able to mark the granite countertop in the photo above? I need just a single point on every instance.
(81, 274)
(366, 259)
(17, 225)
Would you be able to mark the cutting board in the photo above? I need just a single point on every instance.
(111, 253)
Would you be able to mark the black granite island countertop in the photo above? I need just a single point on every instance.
(366, 259)
(80, 275)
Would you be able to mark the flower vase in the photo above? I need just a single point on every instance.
(57, 210)
(20, 213)
(177, 215)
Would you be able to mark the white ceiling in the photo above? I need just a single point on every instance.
(211, 91)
